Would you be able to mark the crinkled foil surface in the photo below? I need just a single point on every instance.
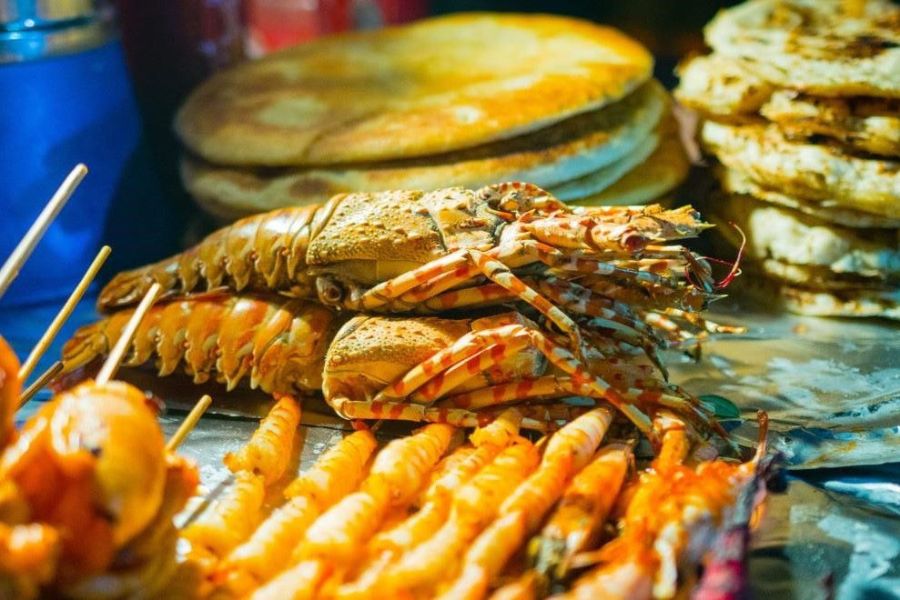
(831, 388)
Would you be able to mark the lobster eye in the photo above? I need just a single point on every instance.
(330, 291)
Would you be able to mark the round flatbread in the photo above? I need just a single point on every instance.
(566, 150)
(604, 177)
(793, 239)
(729, 89)
(864, 124)
(828, 47)
(659, 174)
(736, 183)
(435, 86)
(722, 86)
(814, 171)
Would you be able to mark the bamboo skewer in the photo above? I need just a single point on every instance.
(42, 380)
(41, 347)
(189, 422)
(13, 264)
(109, 368)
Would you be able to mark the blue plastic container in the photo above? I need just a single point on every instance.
(65, 98)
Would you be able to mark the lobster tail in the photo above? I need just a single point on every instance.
(87, 344)
(128, 287)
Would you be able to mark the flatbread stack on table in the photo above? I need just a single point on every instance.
(801, 108)
(467, 100)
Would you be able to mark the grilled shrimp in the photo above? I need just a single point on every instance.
(268, 550)
(90, 463)
(407, 251)
(671, 519)
(268, 451)
(10, 388)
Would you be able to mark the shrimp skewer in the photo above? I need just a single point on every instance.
(458, 468)
(475, 505)
(583, 508)
(672, 518)
(10, 389)
(265, 453)
(397, 473)
(566, 453)
(269, 549)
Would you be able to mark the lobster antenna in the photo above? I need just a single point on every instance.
(41, 347)
(190, 421)
(20, 254)
(109, 368)
(39, 383)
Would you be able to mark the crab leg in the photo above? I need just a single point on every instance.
(557, 355)
(491, 268)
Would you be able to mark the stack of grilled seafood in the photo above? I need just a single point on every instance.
(559, 302)
(802, 106)
(431, 515)
(566, 309)
(87, 493)
(462, 100)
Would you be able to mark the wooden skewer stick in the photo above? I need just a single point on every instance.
(109, 368)
(189, 422)
(39, 383)
(13, 264)
(38, 351)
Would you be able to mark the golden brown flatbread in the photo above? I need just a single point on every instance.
(659, 174)
(579, 145)
(825, 47)
(809, 170)
(435, 86)
(736, 183)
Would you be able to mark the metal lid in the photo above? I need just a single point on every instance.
(32, 29)
(25, 14)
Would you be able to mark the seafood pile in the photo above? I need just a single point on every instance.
(801, 108)
(88, 493)
(559, 301)
(565, 313)
(435, 515)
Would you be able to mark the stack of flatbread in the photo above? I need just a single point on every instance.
(801, 101)
(467, 99)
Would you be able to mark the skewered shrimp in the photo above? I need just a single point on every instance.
(487, 556)
(523, 510)
(338, 472)
(10, 388)
(453, 472)
(584, 507)
(671, 518)
(269, 549)
(299, 582)
(397, 473)
(475, 505)
(268, 452)
(228, 522)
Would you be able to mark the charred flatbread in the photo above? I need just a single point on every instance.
(824, 47)
(814, 171)
(435, 86)
(567, 150)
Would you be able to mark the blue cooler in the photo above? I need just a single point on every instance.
(65, 98)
